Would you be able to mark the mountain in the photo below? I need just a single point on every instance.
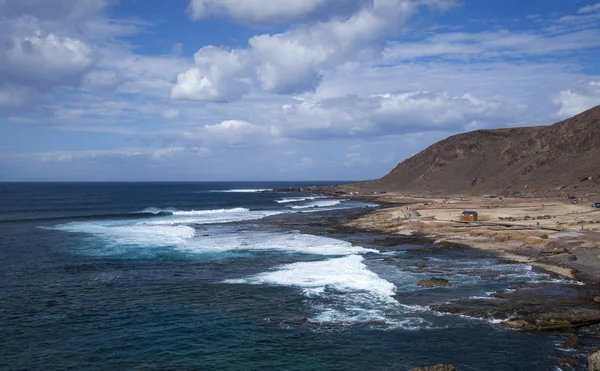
(563, 158)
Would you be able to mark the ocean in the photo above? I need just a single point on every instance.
(222, 276)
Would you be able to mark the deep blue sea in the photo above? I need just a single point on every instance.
(220, 276)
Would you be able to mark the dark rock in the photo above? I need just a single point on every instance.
(420, 265)
(536, 307)
(549, 250)
(560, 321)
(571, 341)
(439, 367)
(570, 362)
(433, 282)
(508, 261)
(572, 258)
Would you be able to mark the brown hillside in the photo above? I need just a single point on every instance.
(563, 158)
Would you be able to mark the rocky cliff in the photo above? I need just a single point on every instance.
(563, 158)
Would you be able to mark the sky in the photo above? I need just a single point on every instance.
(224, 90)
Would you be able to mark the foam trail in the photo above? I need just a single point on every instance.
(297, 199)
(136, 234)
(210, 212)
(315, 204)
(242, 190)
(212, 217)
(266, 241)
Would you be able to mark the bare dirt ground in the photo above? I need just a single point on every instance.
(552, 234)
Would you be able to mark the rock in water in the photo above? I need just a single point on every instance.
(594, 361)
(436, 368)
(433, 282)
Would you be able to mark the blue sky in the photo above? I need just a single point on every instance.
(137, 90)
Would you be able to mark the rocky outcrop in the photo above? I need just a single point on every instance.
(536, 307)
(433, 282)
(594, 361)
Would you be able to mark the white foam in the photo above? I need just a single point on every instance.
(217, 216)
(314, 204)
(348, 274)
(297, 199)
(133, 234)
(340, 290)
(242, 190)
(210, 212)
(155, 211)
(267, 241)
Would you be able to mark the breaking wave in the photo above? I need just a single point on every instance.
(317, 204)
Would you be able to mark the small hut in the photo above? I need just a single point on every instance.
(469, 216)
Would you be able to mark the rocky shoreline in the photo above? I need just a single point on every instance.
(571, 308)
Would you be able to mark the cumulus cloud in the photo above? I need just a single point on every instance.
(294, 61)
(218, 76)
(43, 59)
(41, 49)
(578, 99)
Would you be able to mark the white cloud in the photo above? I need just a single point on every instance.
(15, 97)
(579, 99)
(589, 9)
(177, 48)
(497, 44)
(153, 153)
(260, 12)
(53, 10)
(36, 61)
(386, 114)
(230, 132)
(217, 77)
(293, 61)
(170, 113)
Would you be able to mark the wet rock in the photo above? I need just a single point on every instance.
(516, 324)
(508, 261)
(571, 341)
(570, 362)
(433, 282)
(570, 319)
(439, 367)
(536, 307)
(594, 361)
(550, 250)
(572, 258)
(420, 265)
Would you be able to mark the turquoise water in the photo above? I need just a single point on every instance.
(217, 276)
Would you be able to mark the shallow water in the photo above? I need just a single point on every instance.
(197, 276)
